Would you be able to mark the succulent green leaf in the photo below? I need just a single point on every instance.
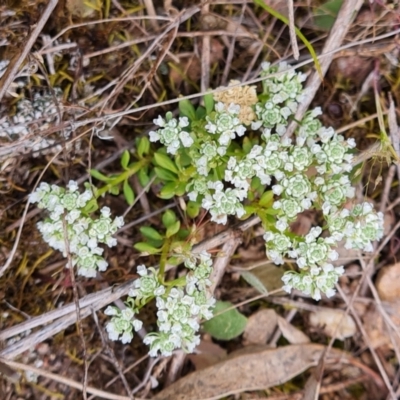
(192, 209)
(200, 113)
(128, 193)
(164, 174)
(143, 177)
(226, 325)
(125, 159)
(173, 229)
(99, 176)
(209, 102)
(165, 162)
(91, 206)
(143, 147)
(168, 218)
(146, 249)
(114, 190)
(168, 191)
(187, 110)
(267, 198)
(247, 145)
(150, 233)
(181, 189)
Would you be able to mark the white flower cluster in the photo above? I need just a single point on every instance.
(122, 323)
(309, 172)
(179, 309)
(285, 93)
(172, 134)
(34, 115)
(225, 124)
(84, 233)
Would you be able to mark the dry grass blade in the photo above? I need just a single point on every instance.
(348, 11)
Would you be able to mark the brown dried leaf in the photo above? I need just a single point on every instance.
(376, 327)
(388, 283)
(207, 353)
(291, 333)
(335, 323)
(260, 327)
(269, 276)
(257, 369)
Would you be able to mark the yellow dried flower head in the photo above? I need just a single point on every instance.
(244, 96)
(241, 95)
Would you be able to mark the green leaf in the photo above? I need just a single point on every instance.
(192, 209)
(181, 189)
(209, 102)
(164, 174)
(168, 218)
(326, 14)
(99, 176)
(200, 113)
(128, 193)
(174, 260)
(247, 145)
(150, 233)
(282, 18)
(257, 186)
(172, 229)
(143, 177)
(165, 162)
(114, 190)
(168, 191)
(187, 110)
(125, 159)
(227, 325)
(266, 199)
(146, 249)
(143, 147)
(90, 207)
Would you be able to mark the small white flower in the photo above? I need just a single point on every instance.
(110, 310)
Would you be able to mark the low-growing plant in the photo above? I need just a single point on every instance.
(232, 158)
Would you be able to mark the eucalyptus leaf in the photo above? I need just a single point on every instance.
(265, 278)
(226, 325)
